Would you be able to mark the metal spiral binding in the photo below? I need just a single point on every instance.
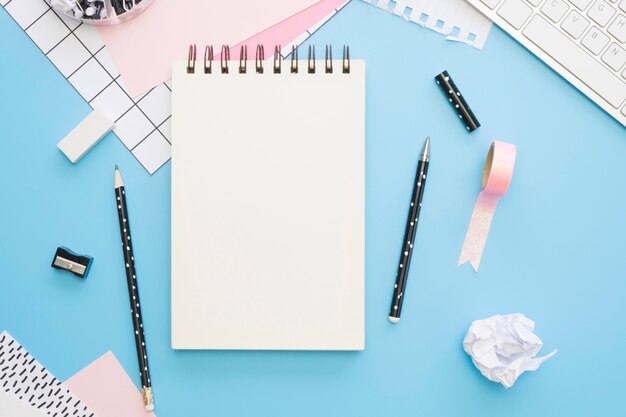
(224, 58)
(191, 60)
(243, 59)
(329, 59)
(208, 59)
(277, 59)
(294, 59)
(258, 61)
(311, 64)
(346, 59)
(260, 57)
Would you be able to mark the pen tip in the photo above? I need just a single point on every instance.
(426, 150)
(116, 167)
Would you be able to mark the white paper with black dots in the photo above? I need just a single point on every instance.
(456, 19)
(142, 123)
(26, 379)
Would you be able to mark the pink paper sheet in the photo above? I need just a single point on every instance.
(287, 31)
(107, 390)
(143, 48)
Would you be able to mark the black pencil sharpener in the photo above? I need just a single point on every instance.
(70, 261)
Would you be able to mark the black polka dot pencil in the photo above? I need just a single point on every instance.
(409, 234)
(133, 292)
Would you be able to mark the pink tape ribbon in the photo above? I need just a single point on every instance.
(497, 176)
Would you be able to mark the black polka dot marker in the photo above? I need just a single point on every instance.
(409, 234)
(133, 292)
(457, 101)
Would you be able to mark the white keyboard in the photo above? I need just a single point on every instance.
(583, 40)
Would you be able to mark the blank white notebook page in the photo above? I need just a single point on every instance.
(268, 208)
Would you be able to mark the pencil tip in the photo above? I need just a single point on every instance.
(118, 178)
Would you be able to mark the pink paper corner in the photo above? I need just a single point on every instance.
(107, 389)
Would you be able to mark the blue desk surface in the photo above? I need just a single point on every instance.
(555, 252)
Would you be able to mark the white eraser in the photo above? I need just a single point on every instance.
(84, 136)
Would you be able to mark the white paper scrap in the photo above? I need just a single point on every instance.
(13, 407)
(456, 19)
(503, 347)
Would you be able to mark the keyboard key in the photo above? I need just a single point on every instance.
(615, 57)
(601, 12)
(563, 50)
(575, 24)
(618, 28)
(582, 4)
(595, 40)
(490, 3)
(515, 12)
(554, 9)
(622, 5)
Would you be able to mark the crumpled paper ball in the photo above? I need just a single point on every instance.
(503, 347)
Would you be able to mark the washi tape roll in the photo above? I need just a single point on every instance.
(497, 175)
(457, 101)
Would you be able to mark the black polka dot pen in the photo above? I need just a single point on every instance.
(457, 101)
(133, 292)
(409, 234)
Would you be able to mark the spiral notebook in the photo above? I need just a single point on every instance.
(268, 201)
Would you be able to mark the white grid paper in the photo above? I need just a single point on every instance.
(143, 124)
(78, 52)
